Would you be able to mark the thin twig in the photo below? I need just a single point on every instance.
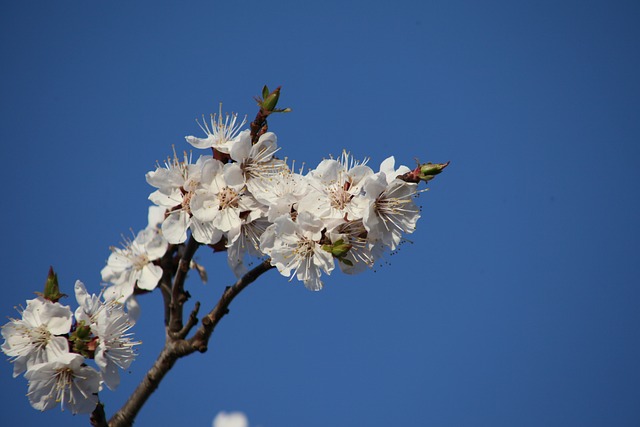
(191, 322)
(175, 349)
(200, 340)
(165, 361)
(178, 294)
(169, 266)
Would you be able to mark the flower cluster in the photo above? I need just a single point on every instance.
(244, 198)
(133, 266)
(239, 197)
(51, 346)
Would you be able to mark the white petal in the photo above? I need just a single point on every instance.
(149, 277)
(327, 171)
(205, 206)
(200, 142)
(204, 232)
(109, 370)
(240, 150)
(57, 317)
(166, 198)
(133, 308)
(174, 227)
(233, 175)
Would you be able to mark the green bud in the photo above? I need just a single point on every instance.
(51, 288)
(83, 342)
(271, 100)
(82, 332)
(339, 249)
(428, 171)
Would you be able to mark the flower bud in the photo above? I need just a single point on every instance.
(271, 100)
(51, 288)
(428, 171)
(339, 249)
(83, 342)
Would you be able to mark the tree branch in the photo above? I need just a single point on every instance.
(126, 415)
(200, 340)
(98, 417)
(169, 266)
(176, 348)
(191, 322)
(178, 294)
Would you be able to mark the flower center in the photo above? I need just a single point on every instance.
(40, 336)
(139, 261)
(186, 200)
(305, 248)
(339, 198)
(64, 381)
(228, 198)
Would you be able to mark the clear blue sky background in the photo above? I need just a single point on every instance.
(517, 304)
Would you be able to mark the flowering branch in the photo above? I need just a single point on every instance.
(242, 200)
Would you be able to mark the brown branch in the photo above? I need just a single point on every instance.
(267, 106)
(165, 361)
(169, 264)
(259, 125)
(98, 417)
(176, 348)
(191, 322)
(178, 294)
(200, 340)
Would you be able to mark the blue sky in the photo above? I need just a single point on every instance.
(517, 300)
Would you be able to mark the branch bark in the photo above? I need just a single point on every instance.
(200, 340)
(177, 347)
(178, 294)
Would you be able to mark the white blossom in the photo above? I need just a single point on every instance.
(133, 263)
(222, 134)
(35, 338)
(115, 344)
(337, 189)
(245, 240)
(222, 200)
(295, 250)
(256, 161)
(109, 322)
(281, 193)
(391, 211)
(363, 251)
(177, 182)
(65, 381)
